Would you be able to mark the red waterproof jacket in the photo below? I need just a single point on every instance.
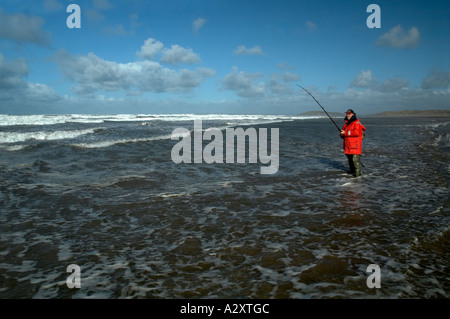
(353, 137)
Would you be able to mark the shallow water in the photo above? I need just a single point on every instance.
(102, 192)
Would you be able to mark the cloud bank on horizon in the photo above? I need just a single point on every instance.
(222, 56)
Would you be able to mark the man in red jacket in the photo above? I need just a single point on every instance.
(353, 133)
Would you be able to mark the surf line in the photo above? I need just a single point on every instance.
(213, 152)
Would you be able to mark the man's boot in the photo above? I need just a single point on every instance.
(351, 165)
(357, 165)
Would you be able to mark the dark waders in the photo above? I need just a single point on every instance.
(355, 165)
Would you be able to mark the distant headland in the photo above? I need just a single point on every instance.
(413, 113)
(406, 113)
(321, 113)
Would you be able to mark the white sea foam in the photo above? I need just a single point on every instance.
(10, 137)
(13, 148)
(16, 137)
(347, 184)
(13, 120)
(121, 141)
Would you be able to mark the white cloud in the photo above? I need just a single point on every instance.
(13, 86)
(93, 13)
(114, 30)
(285, 66)
(436, 79)
(11, 73)
(311, 26)
(150, 48)
(134, 20)
(52, 5)
(366, 80)
(279, 83)
(363, 80)
(277, 87)
(40, 92)
(242, 50)
(253, 85)
(198, 24)
(243, 83)
(21, 28)
(102, 4)
(393, 85)
(177, 54)
(290, 77)
(398, 38)
(93, 74)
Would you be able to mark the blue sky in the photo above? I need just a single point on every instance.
(213, 56)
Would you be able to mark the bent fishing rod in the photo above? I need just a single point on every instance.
(321, 107)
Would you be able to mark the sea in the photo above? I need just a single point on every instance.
(93, 206)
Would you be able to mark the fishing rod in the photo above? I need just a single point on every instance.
(321, 107)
